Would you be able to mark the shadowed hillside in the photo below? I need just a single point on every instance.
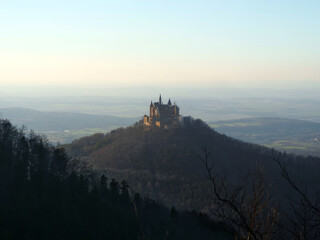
(165, 164)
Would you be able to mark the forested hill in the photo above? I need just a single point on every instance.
(46, 195)
(164, 163)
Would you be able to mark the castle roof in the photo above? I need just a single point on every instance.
(160, 105)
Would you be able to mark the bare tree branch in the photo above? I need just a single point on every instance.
(249, 212)
(305, 221)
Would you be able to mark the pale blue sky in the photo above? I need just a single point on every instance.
(146, 42)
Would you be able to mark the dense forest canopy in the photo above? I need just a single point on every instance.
(44, 194)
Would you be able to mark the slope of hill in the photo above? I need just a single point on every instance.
(45, 195)
(291, 135)
(64, 126)
(164, 163)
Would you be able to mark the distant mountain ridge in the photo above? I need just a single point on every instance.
(63, 126)
(55, 121)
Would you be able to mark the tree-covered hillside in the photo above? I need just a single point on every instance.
(164, 163)
(46, 195)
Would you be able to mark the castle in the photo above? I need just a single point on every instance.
(162, 115)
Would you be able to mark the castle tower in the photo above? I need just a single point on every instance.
(151, 110)
(160, 100)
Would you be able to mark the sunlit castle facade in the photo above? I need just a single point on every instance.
(162, 115)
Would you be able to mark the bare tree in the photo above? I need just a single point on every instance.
(304, 220)
(245, 207)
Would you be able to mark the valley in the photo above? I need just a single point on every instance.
(291, 135)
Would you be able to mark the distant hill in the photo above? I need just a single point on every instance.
(290, 135)
(164, 163)
(64, 126)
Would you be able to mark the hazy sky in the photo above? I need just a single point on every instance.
(156, 42)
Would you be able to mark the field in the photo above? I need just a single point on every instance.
(290, 135)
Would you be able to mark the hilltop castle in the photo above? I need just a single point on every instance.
(162, 115)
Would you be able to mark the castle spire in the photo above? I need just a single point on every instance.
(160, 101)
(151, 103)
(169, 102)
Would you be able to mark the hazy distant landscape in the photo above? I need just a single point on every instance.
(290, 135)
(209, 104)
(63, 127)
(290, 124)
